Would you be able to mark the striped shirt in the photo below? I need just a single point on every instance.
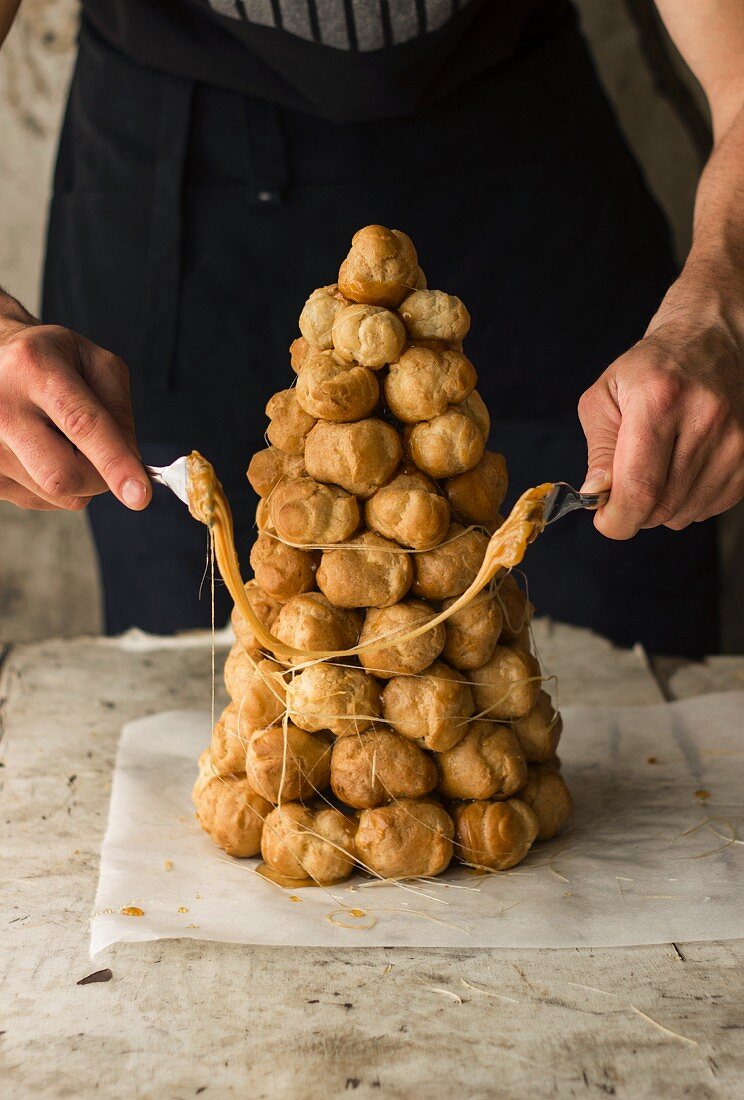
(344, 60)
(357, 25)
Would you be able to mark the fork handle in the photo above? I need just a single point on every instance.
(592, 501)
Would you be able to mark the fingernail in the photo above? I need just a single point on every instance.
(595, 481)
(134, 493)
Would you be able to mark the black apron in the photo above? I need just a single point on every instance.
(189, 224)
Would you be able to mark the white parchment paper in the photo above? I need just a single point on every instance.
(653, 854)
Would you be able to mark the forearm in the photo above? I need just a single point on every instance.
(8, 9)
(710, 36)
(718, 226)
(12, 311)
(709, 293)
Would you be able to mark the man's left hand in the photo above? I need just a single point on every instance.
(665, 422)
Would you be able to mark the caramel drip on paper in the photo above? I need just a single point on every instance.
(208, 504)
(288, 883)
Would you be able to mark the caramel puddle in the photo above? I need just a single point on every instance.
(265, 871)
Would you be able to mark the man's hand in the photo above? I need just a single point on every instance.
(665, 422)
(66, 429)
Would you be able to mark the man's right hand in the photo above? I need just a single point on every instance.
(66, 427)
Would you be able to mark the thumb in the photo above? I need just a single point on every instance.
(600, 419)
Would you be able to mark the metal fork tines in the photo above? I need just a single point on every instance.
(175, 477)
(564, 498)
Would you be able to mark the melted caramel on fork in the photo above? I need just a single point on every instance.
(209, 505)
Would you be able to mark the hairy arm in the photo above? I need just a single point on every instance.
(665, 422)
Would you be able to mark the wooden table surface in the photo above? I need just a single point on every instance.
(180, 1019)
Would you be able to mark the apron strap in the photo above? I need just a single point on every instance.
(163, 275)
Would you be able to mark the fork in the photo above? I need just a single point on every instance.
(564, 498)
(175, 477)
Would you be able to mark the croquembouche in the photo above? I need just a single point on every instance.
(378, 498)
